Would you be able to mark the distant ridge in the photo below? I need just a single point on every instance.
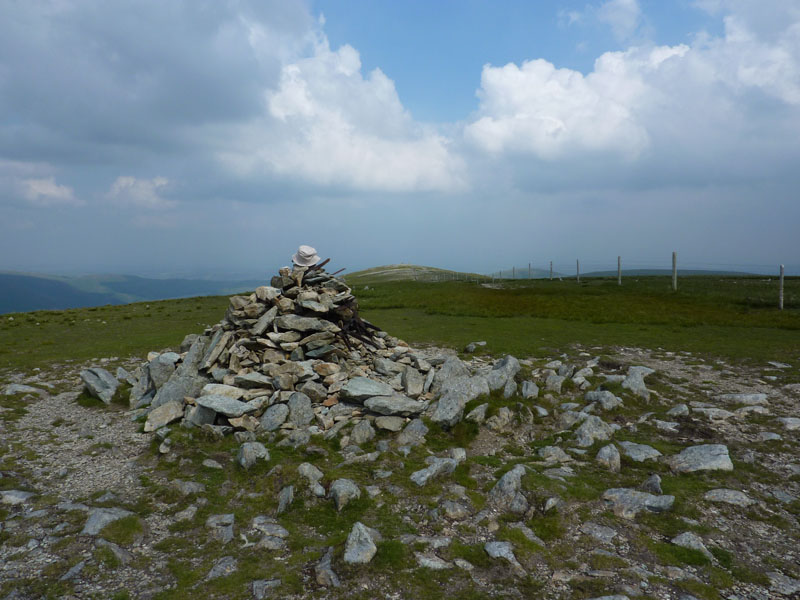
(21, 292)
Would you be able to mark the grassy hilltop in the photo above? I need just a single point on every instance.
(723, 316)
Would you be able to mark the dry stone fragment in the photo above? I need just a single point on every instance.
(362, 433)
(100, 517)
(507, 492)
(323, 570)
(362, 388)
(413, 434)
(221, 527)
(503, 371)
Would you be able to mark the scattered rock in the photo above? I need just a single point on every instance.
(707, 457)
(639, 452)
(360, 547)
(223, 567)
(609, 457)
(250, 452)
(343, 491)
(734, 497)
(627, 503)
(100, 383)
(100, 517)
(692, 542)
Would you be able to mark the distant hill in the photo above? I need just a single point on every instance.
(25, 292)
(406, 273)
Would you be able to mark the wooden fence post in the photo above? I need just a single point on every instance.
(619, 270)
(513, 272)
(780, 291)
(529, 270)
(578, 269)
(674, 271)
(551, 270)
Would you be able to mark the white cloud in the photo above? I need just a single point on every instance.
(140, 193)
(709, 105)
(623, 16)
(46, 192)
(329, 125)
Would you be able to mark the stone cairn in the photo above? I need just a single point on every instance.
(293, 356)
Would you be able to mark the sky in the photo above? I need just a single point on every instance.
(211, 138)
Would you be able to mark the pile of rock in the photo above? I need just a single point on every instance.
(296, 356)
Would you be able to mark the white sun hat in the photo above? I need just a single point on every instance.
(305, 256)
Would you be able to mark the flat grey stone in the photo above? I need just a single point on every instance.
(599, 532)
(553, 383)
(502, 372)
(163, 415)
(746, 399)
(639, 452)
(735, 497)
(782, 584)
(100, 517)
(73, 572)
(268, 526)
(221, 527)
(451, 368)
(301, 413)
(502, 550)
(478, 414)
(605, 399)
(223, 567)
(362, 433)
(627, 503)
(187, 488)
(225, 406)
(250, 453)
(100, 383)
(298, 323)
(362, 388)
(530, 390)
(431, 561)
(274, 417)
(634, 381)
(436, 468)
(394, 424)
(162, 367)
(18, 388)
(323, 570)
(679, 410)
(262, 588)
(467, 387)
(15, 497)
(706, 457)
(652, 485)
(252, 381)
(414, 434)
(342, 491)
(593, 429)
(691, 541)
(507, 492)
(285, 499)
(219, 389)
(394, 405)
(360, 547)
(790, 423)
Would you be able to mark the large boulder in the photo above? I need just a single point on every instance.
(100, 383)
(503, 371)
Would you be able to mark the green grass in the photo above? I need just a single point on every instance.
(85, 333)
(731, 317)
(722, 316)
